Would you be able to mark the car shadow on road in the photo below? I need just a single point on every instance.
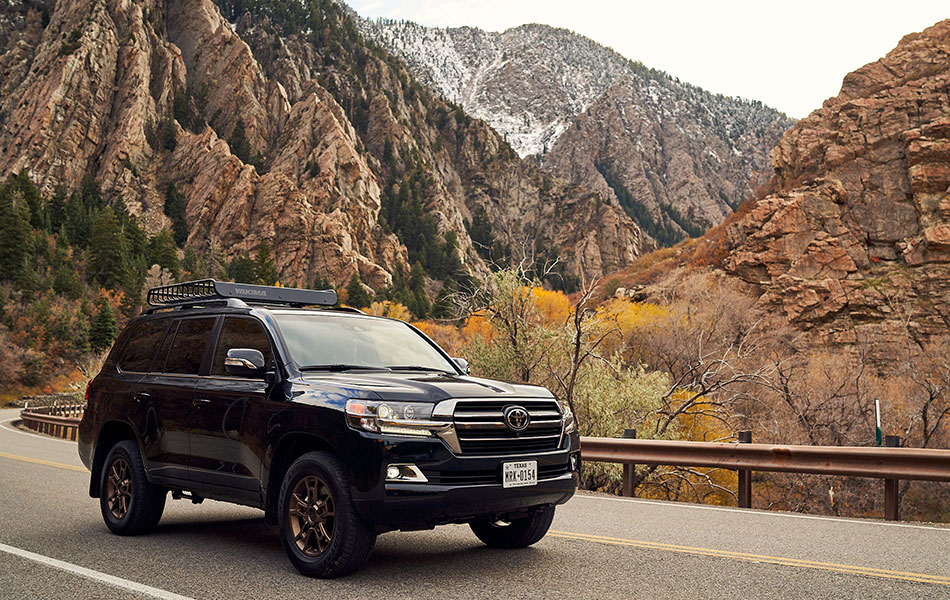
(448, 549)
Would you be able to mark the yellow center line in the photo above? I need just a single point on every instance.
(40, 461)
(777, 560)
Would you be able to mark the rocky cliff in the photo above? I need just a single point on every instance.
(675, 157)
(854, 243)
(281, 125)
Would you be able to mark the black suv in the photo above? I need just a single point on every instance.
(339, 425)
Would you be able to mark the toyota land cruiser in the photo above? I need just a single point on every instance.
(339, 425)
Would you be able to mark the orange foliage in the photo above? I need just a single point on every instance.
(554, 307)
(448, 337)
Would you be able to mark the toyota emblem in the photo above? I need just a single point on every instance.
(516, 418)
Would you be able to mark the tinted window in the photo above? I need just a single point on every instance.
(144, 339)
(188, 347)
(239, 333)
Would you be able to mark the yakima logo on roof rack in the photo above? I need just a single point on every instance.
(250, 292)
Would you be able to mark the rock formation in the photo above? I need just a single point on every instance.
(273, 132)
(677, 158)
(854, 243)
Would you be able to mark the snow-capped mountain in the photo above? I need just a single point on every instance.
(676, 157)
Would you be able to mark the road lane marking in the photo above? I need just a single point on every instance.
(134, 586)
(3, 424)
(46, 463)
(758, 558)
(764, 513)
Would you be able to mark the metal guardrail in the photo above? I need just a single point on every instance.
(888, 463)
(57, 421)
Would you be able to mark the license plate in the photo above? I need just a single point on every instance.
(519, 474)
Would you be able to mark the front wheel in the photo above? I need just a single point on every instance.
(130, 504)
(516, 533)
(319, 528)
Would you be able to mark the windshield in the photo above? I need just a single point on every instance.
(335, 341)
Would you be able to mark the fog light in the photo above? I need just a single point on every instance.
(405, 473)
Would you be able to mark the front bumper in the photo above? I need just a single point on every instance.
(461, 488)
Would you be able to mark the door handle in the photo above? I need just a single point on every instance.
(141, 397)
(200, 402)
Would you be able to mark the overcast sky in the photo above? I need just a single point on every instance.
(790, 55)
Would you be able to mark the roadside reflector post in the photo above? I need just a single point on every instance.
(892, 501)
(745, 476)
(629, 470)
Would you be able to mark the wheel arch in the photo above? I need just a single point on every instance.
(111, 433)
(289, 448)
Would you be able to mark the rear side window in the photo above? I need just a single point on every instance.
(239, 333)
(144, 339)
(188, 347)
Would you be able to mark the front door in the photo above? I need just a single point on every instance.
(225, 443)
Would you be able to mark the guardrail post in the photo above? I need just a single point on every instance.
(892, 501)
(745, 476)
(629, 469)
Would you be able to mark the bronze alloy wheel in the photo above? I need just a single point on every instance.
(119, 487)
(311, 515)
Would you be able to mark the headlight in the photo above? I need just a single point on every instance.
(396, 418)
(567, 418)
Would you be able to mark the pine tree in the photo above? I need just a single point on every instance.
(56, 209)
(102, 332)
(239, 144)
(163, 252)
(265, 270)
(14, 232)
(356, 294)
(241, 269)
(108, 255)
(175, 205)
(189, 264)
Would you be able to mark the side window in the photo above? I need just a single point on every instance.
(144, 339)
(188, 347)
(239, 333)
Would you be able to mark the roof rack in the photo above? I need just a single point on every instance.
(205, 291)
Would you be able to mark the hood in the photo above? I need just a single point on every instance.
(418, 387)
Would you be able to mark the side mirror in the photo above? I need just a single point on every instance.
(245, 362)
(462, 364)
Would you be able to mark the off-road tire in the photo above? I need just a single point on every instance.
(517, 533)
(139, 506)
(351, 540)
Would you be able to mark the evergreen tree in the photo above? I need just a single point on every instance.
(102, 332)
(163, 252)
(31, 195)
(189, 265)
(356, 294)
(241, 269)
(56, 209)
(265, 270)
(108, 255)
(239, 144)
(175, 205)
(14, 232)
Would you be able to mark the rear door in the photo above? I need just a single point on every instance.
(226, 430)
(133, 402)
(170, 388)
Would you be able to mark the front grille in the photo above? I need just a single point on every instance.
(481, 429)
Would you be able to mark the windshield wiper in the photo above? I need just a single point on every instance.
(419, 368)
(342, 367)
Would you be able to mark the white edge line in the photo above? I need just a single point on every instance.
(3, 424)
(141, 588)
(767, 513)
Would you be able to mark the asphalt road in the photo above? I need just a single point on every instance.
(53, 544)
